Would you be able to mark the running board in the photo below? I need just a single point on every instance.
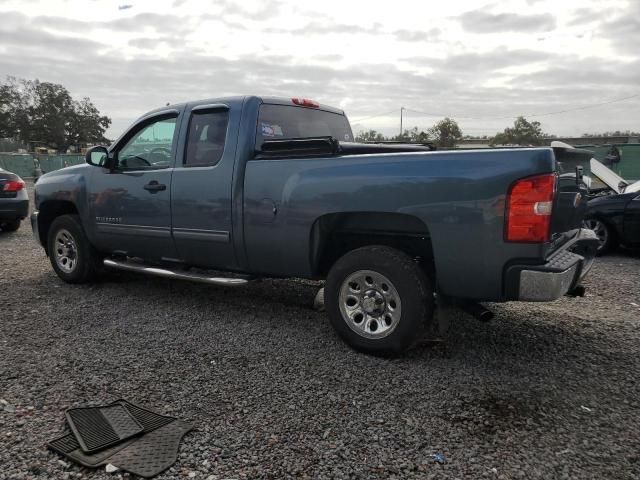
(163, 272)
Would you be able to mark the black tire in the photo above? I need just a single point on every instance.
(10, 225)
(606, 234)
(86, 258)
(408, 281)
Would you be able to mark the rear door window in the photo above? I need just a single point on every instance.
(281, 122)
(205, 138)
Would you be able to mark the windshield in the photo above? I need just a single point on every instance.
(280, 122)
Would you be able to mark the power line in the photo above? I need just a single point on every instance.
(544, 114)
(375, 116)
(584, 107)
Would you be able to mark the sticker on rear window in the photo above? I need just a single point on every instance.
(269, 130)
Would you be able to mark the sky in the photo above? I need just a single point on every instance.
(573, 65)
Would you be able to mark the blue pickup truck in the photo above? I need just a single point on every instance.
(272, 187)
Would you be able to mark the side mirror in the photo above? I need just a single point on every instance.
(97, 156)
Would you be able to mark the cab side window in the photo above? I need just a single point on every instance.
(205, 138)
(150, 147)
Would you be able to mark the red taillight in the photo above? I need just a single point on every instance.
(305, 102)
(13, 186)
(529, 206)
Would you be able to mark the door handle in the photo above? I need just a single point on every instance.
(153, 186)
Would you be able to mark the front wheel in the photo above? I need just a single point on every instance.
(379, 300)
(71, 255)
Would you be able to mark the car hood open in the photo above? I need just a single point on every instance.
(611, 179)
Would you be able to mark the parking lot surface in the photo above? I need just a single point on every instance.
(543, 391)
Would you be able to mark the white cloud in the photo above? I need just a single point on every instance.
(460, 58)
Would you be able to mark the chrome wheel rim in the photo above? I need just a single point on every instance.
(599, 229)
(370, 304)
(66, 251)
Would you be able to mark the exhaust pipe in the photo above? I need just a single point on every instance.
(477, 311)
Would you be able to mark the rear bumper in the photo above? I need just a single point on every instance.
(14, 208)
(562, 272)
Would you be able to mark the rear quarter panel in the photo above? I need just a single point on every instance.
(458, 195)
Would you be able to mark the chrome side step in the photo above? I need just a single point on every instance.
(163, 272)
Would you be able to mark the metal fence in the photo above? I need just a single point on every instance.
(25, 164)
(629, 165)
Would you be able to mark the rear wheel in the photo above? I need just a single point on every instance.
(71, 255)
(607, 240)
(10, 225)
(379, 300)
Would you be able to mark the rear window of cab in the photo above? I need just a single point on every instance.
(282, 122)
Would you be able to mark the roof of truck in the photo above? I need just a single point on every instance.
(237, 100)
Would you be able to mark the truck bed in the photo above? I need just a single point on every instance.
(455, 198)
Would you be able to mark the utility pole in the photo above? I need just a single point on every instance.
(401, 110)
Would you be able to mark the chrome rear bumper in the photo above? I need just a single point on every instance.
(562, 272)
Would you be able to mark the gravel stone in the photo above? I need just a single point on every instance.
(275, 394)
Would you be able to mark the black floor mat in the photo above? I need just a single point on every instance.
(68, 446)
(146, 455)
(153, 453)
(97, 428)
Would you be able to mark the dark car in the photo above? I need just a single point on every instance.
(615, 218)
(14, 201)
(614, 212)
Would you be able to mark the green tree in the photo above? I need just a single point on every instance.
(86, 125)
(13, 108)
(369, 136)
(50, 112)
(446, 133)
(412, 136)
(522, 133)
(44, 113)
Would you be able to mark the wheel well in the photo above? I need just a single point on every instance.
(49, 211)
(334, 235)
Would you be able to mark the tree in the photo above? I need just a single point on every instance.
(522, 133)
(12, 108)
(617, 133)
(412, 136)
(369, 136)
(44, 113)
(446, 133)
(86, 124)
(50, 112)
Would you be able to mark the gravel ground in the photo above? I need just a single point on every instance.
(543, 391)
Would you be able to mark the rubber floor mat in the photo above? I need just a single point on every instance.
(150, 421)
(97, 428)
(153, 453)
(68, 446)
